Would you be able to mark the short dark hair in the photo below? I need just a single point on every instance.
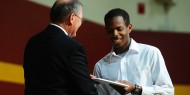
(60, 11)
(117, 12)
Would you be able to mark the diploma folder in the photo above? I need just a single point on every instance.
(100, 80)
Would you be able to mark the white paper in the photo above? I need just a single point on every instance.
(100, 80)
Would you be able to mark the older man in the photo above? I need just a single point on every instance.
(54, 63)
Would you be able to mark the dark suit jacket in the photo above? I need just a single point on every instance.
(55, 64)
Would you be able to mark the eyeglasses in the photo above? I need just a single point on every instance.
(82, 19)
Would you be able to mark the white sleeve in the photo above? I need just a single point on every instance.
(101, 88)
(161, 79)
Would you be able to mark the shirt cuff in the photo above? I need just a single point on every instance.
(147, 90)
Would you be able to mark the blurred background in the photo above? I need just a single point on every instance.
(162, 23)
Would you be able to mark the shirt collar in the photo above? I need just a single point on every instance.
(59, 27)
(134, 46)
(133, 49)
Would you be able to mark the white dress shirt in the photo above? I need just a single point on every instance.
(142, 65)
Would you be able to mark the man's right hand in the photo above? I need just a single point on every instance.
(124, 90)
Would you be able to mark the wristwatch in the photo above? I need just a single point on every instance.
(137, 90)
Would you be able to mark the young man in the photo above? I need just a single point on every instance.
(54, 63)
(140, 66)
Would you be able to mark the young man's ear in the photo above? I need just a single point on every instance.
(130, 27)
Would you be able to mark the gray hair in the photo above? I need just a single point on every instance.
(60, 10)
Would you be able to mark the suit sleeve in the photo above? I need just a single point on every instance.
(78, 69)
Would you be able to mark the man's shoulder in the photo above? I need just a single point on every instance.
(104, 59)
(63, 38)
(148, 48)
(53, 35)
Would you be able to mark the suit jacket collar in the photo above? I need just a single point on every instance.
(59, 27)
